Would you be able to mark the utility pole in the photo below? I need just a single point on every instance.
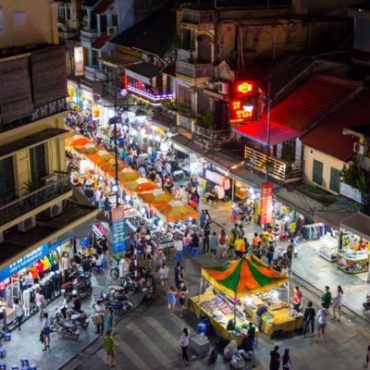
(268, 129)
(116, 150)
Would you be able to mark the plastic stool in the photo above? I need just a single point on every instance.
(7, 337)
(2, 353)
(15, 367)
(201, 328)
(178, 256)
(25, 362)
(25, 368)
(2, 366)
(32, 367)
(194, 251)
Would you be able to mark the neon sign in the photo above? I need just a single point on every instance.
(239, 113)
(244, 88)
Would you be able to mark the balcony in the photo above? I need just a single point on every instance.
(210, 134)
(194, 70)
(151, 97)
(54, 187)
(278, 169)
(200, 19)
(89, 33)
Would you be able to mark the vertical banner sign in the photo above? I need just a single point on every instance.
(266, 203)
(118, 230)
(79, 60)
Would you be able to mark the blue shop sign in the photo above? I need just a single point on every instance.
(29, 259)
(118, 230)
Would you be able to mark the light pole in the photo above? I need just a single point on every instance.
(268, 129)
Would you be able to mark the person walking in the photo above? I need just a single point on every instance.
(326, 298)
(108, 320)
(286, 360)
(40, 303)
(322, 320)
(171, 300)
(309, 319)
(182, 292)
(19, 313)
(338, 303)
(207, 232)
(275, 359)
(270, 253)
(99, 316)
(45, 331)
(222, 243)
(367, 358)
(109, 345)
(177, 275)
(163, 277)
(184, 343)
(213, 243)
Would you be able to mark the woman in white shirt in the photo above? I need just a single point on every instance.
(163, 276)
(338, 303)
(184, 343)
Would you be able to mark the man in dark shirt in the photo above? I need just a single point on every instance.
(275, 359)
(309, 319)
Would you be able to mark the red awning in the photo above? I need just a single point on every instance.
(257, 131)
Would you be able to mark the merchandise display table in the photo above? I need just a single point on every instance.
(219, 325)
(278, 319)
(353, 262)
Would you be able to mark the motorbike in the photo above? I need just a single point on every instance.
(78, 286)
(79, 317)
(65, 328)
(128, 284)
(115, 299)
(366, 304)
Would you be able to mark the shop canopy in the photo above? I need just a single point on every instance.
(258, 131)
(244, 276)
(175, 211)
(155, 197)
(139, 185)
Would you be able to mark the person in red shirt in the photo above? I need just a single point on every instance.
(40, 269)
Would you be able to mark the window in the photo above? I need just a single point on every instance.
(334, 179)
(317, 172)
(19, 18)
(1, 20)
(7, 186)
(38, 162)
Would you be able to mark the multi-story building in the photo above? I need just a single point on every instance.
(38, 208)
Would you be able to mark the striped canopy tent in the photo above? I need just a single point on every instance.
(155, 197)
(139, 185)
(175, 211)
(128, 174)
(244, 276)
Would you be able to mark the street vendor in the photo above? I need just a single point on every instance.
(261, 310)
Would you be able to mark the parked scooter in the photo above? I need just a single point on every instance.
(65, 328)
(79, 286)
(122, 304)
(77, 316)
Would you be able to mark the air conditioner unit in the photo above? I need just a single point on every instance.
(111, 30)
(55, 210)
(223, 88)
(27, 224)
(213, 85)
(360, 149)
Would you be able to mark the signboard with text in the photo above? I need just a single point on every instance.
(266, 203)
(118, 230)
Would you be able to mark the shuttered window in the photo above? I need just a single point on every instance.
(317, 172)
(334, 179)
(7, 186)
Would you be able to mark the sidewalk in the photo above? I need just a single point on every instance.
(26, 343)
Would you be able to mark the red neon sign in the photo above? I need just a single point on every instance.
(239, 113)
(244, 88)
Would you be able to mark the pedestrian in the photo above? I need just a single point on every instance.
(45, 331)
(290, 251)
(286, 362)
(179, 248)
(222, 243)
(367, 358)
(261, 310)
(297, 298)
(19, 313)
(99, 316)
(109, 345)
(230, 244)
(108, 320)
(163, 277)
(183, 291)
(338, 303)
(270, 253)
(322, 319)
(171, 300)
(207, 232)
(213, 243)
(275, 359)
(177, 274)
(309, 319)
(184, 343)
(239, 246)
(326, 298)
(40, 303)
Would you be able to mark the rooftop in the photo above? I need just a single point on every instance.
(154, 34)
(144, 69)
(103, 6)
(352, 115)
(9, 52)
(100, 41)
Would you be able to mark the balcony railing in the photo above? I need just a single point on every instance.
(278, 169)
(155, 98)
(53, 187)
(89, 33)
(210, 134)
(194, 70)
(185, 122)
(197, 16)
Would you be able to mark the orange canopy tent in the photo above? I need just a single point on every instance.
(176, 211)
(139, 185)
(155, 197)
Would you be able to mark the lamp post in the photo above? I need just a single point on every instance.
(268, 129)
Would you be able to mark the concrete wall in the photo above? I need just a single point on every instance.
(311, 154)
(27, 22)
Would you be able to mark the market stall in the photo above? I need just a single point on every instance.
(235, 286)
(175, 211)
